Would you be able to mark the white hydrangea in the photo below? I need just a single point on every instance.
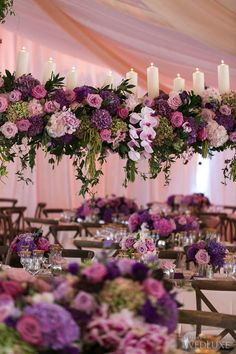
(217, 134)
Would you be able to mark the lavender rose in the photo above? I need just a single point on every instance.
(9, 130)
(95, 273)
(3, 104)
(14, 96)
(94, 100)
(39, 92)
(23, 125)
(202, 257)
(174, 100)
(177, 119)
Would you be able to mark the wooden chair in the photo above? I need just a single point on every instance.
(216, 285)
(232, 228)
(76, 229)
(39, 209)
(6, 229)
(33, 224)
(80, 244)
(8, 202)
(16, 214)
(3, 253)
(82, 254)
(52, 212)
(176, 256)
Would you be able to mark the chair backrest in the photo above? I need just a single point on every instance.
(3, 253)
(231, 228)
(16, 214)
(215, 285)
(94, 244)
(39, 209)
(82, 254)
(8, 202)
(52, 212)
(6, 229)
(74, 230)
(33, 224)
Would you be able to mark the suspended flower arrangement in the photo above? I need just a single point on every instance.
(88, 124)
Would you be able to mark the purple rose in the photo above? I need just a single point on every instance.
(23, 125)
(14, 96)
(201, 244)
(95, 272)
(174, 100)
(123, 112)
(94, 100)
(29, 329)
(226, 110)
(105, 134)
(177, 119)
(39, 92)
(84, 302)
(129, 242)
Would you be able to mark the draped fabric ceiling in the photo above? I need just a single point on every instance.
(99, 35)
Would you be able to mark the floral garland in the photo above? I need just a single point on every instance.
(89, 123)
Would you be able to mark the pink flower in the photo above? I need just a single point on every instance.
(9, 130)
(177, 119)
(154, 288)
(29, 329)
(94, 100)
(14, 96)
(167, 265)
(70, 95)
(51, 106)
(6, 306)
(19, 275)
(202, 134)
(35, 108)
(125, 265)
(202, 257)
(12, 288)
(84, 302)
(123, 112)
(207, 114)
(127, 243)
(95, 273)
(147, 101)
(39, 92)
(23, 125)
(150, 244)
(3, 104)
(1, 82)
(43, 244)
(226, 110)
(232, 137)
(182, 220)
(174, 100)
(141, 247)
(105, 134)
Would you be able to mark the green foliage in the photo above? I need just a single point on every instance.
(5, 9)
(54, 83)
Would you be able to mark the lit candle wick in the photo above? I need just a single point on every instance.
(151, 64)
(222, 62)
(131, 69)
(23, 48)
(73, 68)
(50, 59)
(197, 69)
(178, 75)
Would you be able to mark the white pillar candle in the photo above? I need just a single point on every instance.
(72, 78)
(22, 62)
(109, 81)
(48, 69)
(132, 76)
(152, 81)
(223, 78)
(198, 82)
(178, 84)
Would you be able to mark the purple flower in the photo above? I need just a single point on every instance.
(60, 97)
(95, 273)
(177, 119)
(191, 252)
(139, 271)
(125, 266)
(112, 270)
(111, 101)
(73, 268)
(57, 325)
(184, 95)
(101, 119)
(23, 125)
(232, 137)
(37, 126)
(84, 302)
(217, 253)
(82, 92)
(163, 226)
(226, 121)
(25, 85)
(134, 222)
(14, 96)
(94, 100)
(162, 107)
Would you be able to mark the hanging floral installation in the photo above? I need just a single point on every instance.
(88, 124)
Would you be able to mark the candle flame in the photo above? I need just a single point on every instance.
(23, 48)
(197, 69)
(110, 72)
(73, 68)
(151, 64)
(131, 69)
(50, 59)
(178, 75)
(222, 62)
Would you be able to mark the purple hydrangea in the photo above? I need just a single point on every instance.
(111, 101)
(184, 95)
(227, 121)
(162, 107)
(82, 92)
(192, 136)
(101, 119)
(139, 271)
(73, 268)
(163, 95)
(217, 252)
(25, 84)
(37, 126)
(113, 270)
(57, 325)
(60, 97)
(191, 252)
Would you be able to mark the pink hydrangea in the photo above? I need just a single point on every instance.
(105, 134)
(61, 123)
(23, 125)
(3, 104)
(9, 130)
(207, 114)
(39, 92)
(95, 273)
(94, 100)
(217, 134)
(177, 119)
(51, 106)
(14, 96)
(153, 288)
(174, 100)
(35, 108)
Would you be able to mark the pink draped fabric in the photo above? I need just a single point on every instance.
(99, 35)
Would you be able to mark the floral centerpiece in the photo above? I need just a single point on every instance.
(186, 223)
(31, 241)
(107, 208)
(138, 245)
(117, 307)
(198, 201)
(89, 123)
(207, 252)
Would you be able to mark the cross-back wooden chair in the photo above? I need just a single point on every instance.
(3, 253)
(52, 212)
(6, 229)
(39, 209)
(82, 254)
(74, 230)
(33, 224)
(8, 202)
(215, 285)
(232, 228)
(16, 214)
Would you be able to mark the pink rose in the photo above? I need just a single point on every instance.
(182, 220)
(141, 247)
(14, 96)
(105, 134)
(127, 243)
(226, 110)
(9, 130)
(202, 257)
(150, 244)
(29, 329)
(167, 265)
(35, 108)
(95, 273)
(51, 106)
(43, 244)
(3, 104)
(23, 125)
(207, 114)
(148, 102)
(177, 119)
(202, 134)
(94, 100)
(84, 302)
(174, 100)
(154, 288)
(6, 306)
(70, 95)
(232, 137)
(123, 112)
(39, 92)
(1, 82)
(12, 288)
